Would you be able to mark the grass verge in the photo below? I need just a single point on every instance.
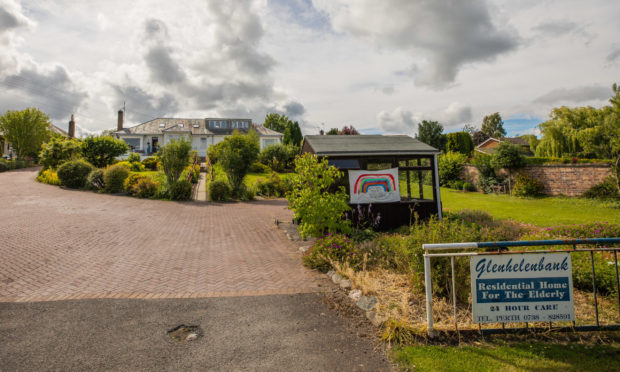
(545, 211)
(535, 356)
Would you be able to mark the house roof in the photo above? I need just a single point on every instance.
(368, 145)
(193, 126)
(519, 141)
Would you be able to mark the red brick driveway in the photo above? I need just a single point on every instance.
(62, 244)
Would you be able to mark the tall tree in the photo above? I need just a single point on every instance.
(25, 130)
(459, 142)
(276, 122)
(332, 132)
(431, 133)
(493, 126)
(479, 137)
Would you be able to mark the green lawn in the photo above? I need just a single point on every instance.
(516, 357)
(547, 211)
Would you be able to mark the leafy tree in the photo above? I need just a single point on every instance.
(290, 129)
(459, 142)
(236, 155)
(59, 150)
(292, 134)
(100, 151)
(276, 122)
(174, 157)
(468, 128)
(449, 167)
(493, 126)
(345, 131)
(479, 137)
(509, 157)
(319, 207)
(349, 131)
(278, 157)
(25, 130)
(431, 133)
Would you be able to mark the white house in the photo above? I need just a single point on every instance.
(146, 138)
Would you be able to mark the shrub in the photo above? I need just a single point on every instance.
(174, 158)
(95, 179)
(181, 190)
(131, 181)
(468, 187)
(258, 167)
(219, 191)
(151, 163)
(236, 155)
(194, 171)
(274, 186)
(526, 186)
(101, 151)
(4, 166)
(459, 142)
(114, 177)
(607, 189)
(450, 166)
(332, 247)
(213, 152)
(279, 157)
(133, 157)
(456, 184)
(145, 188)
(74, 174)
(58, 151)
(316, 201)
(48, 176)
(482, 162)
(125, 164)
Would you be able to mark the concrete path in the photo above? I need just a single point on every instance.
(93, 282)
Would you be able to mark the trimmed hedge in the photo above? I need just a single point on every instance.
(74, 174)
(114, 178)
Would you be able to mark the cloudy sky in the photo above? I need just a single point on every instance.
(381, 66)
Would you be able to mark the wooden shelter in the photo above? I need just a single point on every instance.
(418, 178)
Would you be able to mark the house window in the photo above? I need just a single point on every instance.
(203, 143)
(269, 142)
(134, 143)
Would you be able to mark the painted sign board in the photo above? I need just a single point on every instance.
(533, 287)
(374, 186)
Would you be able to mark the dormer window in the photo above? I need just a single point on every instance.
(162, 125)
(196, 125)
(180, 125)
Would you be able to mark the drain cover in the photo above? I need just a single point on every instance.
(185, 333)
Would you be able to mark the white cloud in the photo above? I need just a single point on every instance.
(447, 34)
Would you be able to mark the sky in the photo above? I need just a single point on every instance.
(381, 66)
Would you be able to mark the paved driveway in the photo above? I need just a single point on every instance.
(58, 244)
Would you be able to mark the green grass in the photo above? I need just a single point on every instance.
(546, 211)
(251, 178)
(516, 357)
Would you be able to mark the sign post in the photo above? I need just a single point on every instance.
(511, 288)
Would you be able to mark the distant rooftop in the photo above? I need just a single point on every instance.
(222, 126)
(367, 145)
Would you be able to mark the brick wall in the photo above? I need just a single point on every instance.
(558, 179)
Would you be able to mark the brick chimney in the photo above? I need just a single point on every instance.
(71, 130)
(120, 120)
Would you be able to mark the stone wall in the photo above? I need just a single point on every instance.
(558, 179)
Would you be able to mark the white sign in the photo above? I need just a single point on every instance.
(522, 288)
(374, 186)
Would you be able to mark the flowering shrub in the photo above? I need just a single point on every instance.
(332, 247)
(604, 264)
(48, 176)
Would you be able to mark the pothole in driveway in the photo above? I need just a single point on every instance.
(185, 333)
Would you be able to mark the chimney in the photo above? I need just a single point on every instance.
(71, 130)
(322, 132)
(120, 120)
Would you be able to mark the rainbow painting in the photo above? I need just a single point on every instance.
(374, 186)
